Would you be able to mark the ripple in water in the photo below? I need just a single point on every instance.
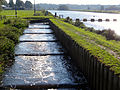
(42, 70)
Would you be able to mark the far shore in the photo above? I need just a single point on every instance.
(98, 11)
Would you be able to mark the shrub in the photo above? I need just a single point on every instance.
(79, 24)
(6, 47)
(17, 22)
(11, 33)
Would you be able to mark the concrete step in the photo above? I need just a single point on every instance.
(70, 86)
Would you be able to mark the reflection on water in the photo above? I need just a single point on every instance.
(91, 15)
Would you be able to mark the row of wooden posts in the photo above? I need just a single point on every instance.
(92, 20)
(99, 20)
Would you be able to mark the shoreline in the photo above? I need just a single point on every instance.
(98, 11)
(95, 11)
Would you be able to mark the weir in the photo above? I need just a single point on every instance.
(41, 62)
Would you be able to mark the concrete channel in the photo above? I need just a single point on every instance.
(42, 63)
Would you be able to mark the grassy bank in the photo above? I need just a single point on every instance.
(9, 37)
(106, 51)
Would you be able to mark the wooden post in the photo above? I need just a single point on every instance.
(101, 76)
(116, 82)
(98, 76)
(105, 85)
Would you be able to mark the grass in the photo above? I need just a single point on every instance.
(23, 14)
(108, 52)
(20, 13)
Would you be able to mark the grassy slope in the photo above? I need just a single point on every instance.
(96, 44)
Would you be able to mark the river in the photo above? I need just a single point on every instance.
(114, 25)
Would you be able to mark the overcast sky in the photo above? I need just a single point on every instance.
(103, 2)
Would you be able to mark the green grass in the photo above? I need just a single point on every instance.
(23, 14)
(20, 13)
(96, 44)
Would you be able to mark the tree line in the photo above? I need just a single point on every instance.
(20, 5)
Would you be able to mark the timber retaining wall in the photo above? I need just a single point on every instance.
(99, 76)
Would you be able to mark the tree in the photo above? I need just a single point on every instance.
(113, 7)
(63, 7)
(0, 6)
(88, 8)
(28, 5)
(20, 4)
(4, 2)
(102, 8)
(11, 3)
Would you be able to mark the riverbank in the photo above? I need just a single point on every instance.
(98, 11)
(97, 61)
(106, 51)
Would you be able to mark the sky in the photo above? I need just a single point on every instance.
(102, 2)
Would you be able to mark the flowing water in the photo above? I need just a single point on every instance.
(39, 60)
(114, 25)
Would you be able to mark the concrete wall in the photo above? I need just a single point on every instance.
(99, 76)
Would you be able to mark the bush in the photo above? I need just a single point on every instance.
(17, 22)
(11, 33)
(6, 47)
